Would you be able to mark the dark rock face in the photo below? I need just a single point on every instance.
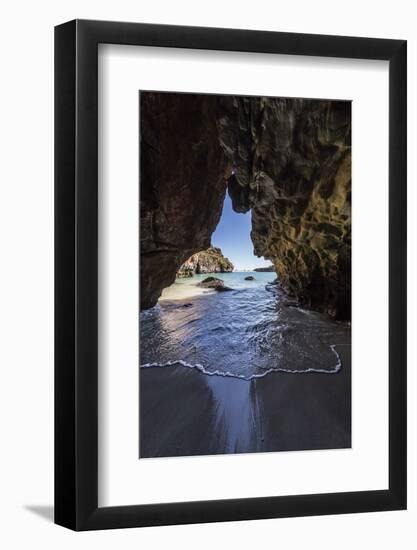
(292, 167)
(214, 283)
(183, 172)
(288, 160)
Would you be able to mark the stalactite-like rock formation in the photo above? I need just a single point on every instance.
(292, 167)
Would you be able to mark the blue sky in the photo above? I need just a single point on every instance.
(232, 235)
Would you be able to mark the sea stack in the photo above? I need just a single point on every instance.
(207, 261)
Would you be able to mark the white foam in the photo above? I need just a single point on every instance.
(202, 369)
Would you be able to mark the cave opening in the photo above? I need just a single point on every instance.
(231, 184)
(228, 263)
(281, 167)
(233, 237)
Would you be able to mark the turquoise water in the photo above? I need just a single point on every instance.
(236, 279)
(187, 286)
(246, 333)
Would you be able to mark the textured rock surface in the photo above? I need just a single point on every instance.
(288, 160)
(292, 167)
(182, 184)
(207, 261)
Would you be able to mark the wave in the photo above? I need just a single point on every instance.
(204, 370)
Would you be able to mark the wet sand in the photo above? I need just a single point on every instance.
(184, 412)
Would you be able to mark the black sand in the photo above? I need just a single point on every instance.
(184, 412)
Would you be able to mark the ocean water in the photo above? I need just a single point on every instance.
(248, 333)
(186, 287)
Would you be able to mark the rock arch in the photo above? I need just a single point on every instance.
(286, 159)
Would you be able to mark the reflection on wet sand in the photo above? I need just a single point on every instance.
(242, 371)
(184, 412)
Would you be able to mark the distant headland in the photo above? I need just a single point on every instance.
(268, 268)
(206, 261)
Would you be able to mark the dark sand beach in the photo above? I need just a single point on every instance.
(241, 372)
(186, 412)
(245, 274)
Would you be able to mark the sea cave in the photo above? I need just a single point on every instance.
(287, 160)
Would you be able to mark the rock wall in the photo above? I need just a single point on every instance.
(292, 167)
(207, 261)
(288, 160)
(183, 172)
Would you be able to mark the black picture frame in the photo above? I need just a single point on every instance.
(76, 272)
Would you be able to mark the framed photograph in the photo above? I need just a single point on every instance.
(230, 249)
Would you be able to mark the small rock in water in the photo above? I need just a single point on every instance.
(209, 280)
(249, 278)
(214, 283)
(223, 288)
